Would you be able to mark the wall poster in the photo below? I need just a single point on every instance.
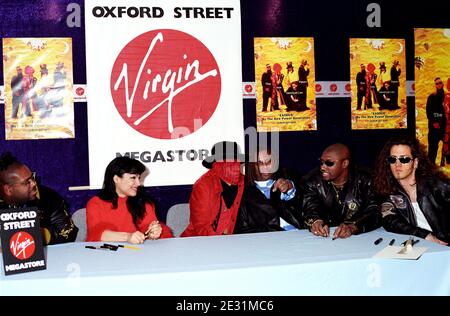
(285, 80)
(378, 80)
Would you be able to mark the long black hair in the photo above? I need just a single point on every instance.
(135, 204)
(384, 182)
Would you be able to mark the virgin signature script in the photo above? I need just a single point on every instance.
(167, 83)
(19, 248)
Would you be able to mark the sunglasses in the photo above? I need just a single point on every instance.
(403, 160)
(329, 163)
(439, 82)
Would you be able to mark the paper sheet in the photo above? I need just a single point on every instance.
(394, 252)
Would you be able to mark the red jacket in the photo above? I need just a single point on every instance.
(204, 205)
(100, 216)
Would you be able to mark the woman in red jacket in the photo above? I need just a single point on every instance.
(216, 196)
(121, 211)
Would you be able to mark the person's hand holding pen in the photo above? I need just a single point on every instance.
(319, 229)
(345, 231)
(136, 238)
(154, 230)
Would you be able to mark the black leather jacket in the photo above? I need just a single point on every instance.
(259, 214)
(358, 207)
(53, 215)
(433, 197)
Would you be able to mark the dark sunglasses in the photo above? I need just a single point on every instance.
(329, 163)
(403, 160)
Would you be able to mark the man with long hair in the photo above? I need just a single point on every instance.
(415, 195)
(271, 201)
(338, 193)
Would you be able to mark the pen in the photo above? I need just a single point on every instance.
(90, 247)
(129, 247)
(391, 242)
(415, 241)
(110, 247)
(376, 242)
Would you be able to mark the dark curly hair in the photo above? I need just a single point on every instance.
(384, 182)
(6, 161)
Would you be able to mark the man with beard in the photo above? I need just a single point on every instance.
(339, 193)
(416, 196)
(18, 188)
(436, 119)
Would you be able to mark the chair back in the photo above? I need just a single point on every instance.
(178, 218)
(79, 219)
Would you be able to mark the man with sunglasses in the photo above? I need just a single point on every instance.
(338, 193)
(18, 188)
(436, 119)
(415, 195)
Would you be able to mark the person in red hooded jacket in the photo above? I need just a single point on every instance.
(216, 196)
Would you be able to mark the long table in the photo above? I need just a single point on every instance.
(264, 264)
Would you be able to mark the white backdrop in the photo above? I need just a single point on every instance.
(159, 68)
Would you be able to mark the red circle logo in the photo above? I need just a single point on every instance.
(333, 87)
(318, 87)
(79, 91)
(248, 88)
(163, 80)
(22, 245)
(348, 87)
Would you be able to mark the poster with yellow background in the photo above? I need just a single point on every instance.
(285, 80)
(378, 80)
(432, 88)
(38, 88)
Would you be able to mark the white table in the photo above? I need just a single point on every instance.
(264, 264)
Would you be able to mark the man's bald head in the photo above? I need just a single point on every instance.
(335, 161)
(340, 151)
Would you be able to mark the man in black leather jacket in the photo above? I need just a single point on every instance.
(339, 194)
(270, 201)
(18, 188)
(415, 195)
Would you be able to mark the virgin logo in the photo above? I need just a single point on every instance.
(348, 87)
(165, 79)
(318, 87)
(333, 87)
(79, 91)
(22, 245)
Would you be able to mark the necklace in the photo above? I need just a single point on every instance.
(337, 190)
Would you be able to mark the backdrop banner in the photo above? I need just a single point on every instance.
(164, 84)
